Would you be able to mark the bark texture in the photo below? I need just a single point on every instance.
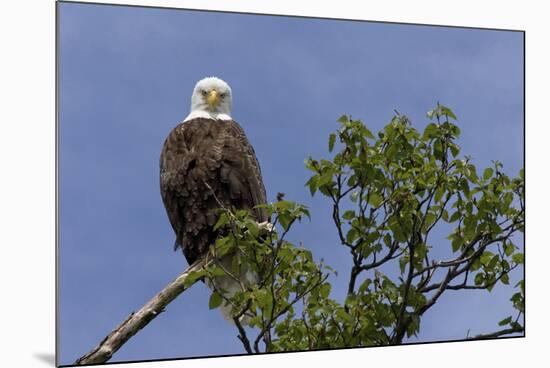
(137, 320)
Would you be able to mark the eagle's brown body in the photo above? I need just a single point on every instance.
(204, 161)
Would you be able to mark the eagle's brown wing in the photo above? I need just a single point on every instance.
(205, 162)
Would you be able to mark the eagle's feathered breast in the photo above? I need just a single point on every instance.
(205, 163)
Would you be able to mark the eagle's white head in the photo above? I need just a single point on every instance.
(211, 99)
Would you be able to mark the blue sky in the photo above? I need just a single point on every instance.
(126, 76)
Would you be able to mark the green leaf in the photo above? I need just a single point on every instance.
(365, 285)
(222, 221)
(456, 130)
(505, 279)
(429, 220)
(331, 140)
(344, 316)
(455, 216)
(439, 194)
(263, 298)
(216, 271)
(325, 178)
(470, 223)
(310, 164)
(493, 262)
(447, 112)
(455, 150)
(505, 265)
(367, 133)
(509, 248)
(313, 184)
(324, 290)
(372, 236)
(223, 245)
(285, 205)
(375, 199)
(476, 265)
(518, 258)
(471, 173)
(252, 227)
(387, 240)
(505, 321)
(352, 235)
(456, 243)
(395, 227)
(285, 220)
(391, 150)
(479, 279)
(215, 300)
(348, 215)
(343, 119)
(431, 131)
(402, 263)
(486, 257)
(414, 326)
(487, 173)
(193, 277)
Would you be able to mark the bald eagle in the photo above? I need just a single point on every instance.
(206, 161)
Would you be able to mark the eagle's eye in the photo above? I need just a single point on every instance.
(222, 95)
(203, 92)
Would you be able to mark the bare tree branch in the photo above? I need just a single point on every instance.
(506, 331)
(137, 320)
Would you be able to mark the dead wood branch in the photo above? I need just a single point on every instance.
(137, 320)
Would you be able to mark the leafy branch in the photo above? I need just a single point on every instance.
(392, 194)
(389, 193)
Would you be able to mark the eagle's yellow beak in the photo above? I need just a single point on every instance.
(212, 99)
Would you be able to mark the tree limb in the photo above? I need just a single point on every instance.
(242, 335)
(137, 320)
(496, 334)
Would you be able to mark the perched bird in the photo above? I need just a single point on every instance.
(207, 162)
